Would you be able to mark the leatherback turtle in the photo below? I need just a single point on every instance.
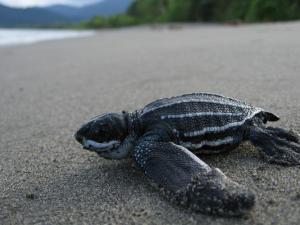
(165, 136)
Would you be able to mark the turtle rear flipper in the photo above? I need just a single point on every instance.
(189, 181)
(288, 135)
(276, 144)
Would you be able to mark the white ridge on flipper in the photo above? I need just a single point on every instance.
(194, 157)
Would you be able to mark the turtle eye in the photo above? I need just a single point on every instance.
(99, 132)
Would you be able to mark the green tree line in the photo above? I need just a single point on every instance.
(154, 11)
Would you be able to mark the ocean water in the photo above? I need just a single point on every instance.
(28, 36)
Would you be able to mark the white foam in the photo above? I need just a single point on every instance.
(29, 36)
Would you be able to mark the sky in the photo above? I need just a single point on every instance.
(27, 3)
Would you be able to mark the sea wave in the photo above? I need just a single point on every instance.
(29, 36)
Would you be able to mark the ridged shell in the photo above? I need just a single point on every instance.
(201, 119)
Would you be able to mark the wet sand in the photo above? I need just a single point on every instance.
(48, 89)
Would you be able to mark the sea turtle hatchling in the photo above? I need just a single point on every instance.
(165, 136)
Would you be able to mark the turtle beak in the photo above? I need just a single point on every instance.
(81, 133)
(78, 137)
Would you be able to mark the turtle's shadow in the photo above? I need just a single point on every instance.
(96, 182)
(93, 187)
(104, 180)
(105, 186)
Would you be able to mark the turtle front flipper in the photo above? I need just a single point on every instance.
(189, 181)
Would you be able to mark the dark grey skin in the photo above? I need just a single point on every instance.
(166, 137)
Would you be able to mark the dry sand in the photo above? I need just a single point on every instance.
(48, 89)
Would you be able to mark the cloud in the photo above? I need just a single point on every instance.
(27, 3)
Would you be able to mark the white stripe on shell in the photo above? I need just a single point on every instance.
(189, 115)
(197, 101)
(104, 145)
(215, 143)
(218, 129)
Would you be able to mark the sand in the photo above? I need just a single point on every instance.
(48, 89)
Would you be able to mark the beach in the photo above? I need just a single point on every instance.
(48, 89)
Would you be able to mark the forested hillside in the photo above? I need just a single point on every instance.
(215, 10)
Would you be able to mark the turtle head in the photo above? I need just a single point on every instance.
(103, 134)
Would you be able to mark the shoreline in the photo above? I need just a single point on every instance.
(15, 37)
(61, 34)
